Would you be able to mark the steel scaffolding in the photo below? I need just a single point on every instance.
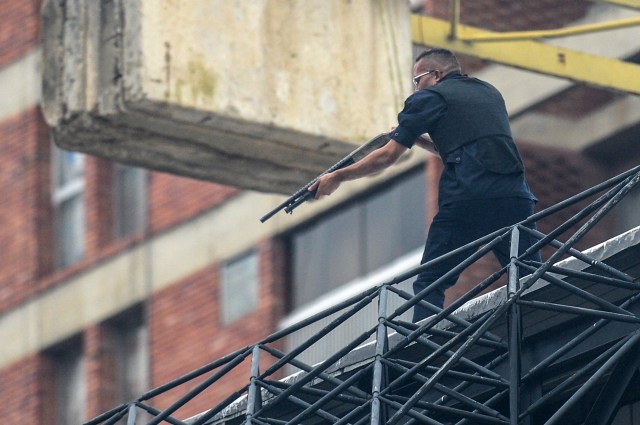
(488, 365)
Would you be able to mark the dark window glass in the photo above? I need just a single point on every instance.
(359, 238)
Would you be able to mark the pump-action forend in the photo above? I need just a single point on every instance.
(304, 194)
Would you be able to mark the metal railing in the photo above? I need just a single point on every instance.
(461, 365)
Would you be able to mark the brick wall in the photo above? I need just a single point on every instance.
(186, 332)
(577, 102)
(26, 236)
(99, 198)
(175, 199)
(508, 15)
(25, 241)
(100, 364)
(26, 392)
(26, 230)
(19, 29)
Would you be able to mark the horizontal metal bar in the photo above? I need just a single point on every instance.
(531, 55)
(595, 278)
(318, 316)
(442, 333)
(155, 412)
(631, 4)
(500, 311)
(584, 258)
(463, 376)
(331, 395)
(580, 292)
(307, 368)
(318, 392)
(362, 409)
(194, 374)
(552, 33)
(422, 418)
(575, 377)
(450, 315)
(574, 342)
(444, 350)
(451, 393)
(579, 311)
(317, 370)
(268, 421)
(364, 301)
(204, 385)
(295, 400)
(451, 411)
(587, 193)
(491, 239)
(490, 402)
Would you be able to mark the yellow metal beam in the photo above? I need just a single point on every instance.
(531, 55)
(632, 4)
(554, 33)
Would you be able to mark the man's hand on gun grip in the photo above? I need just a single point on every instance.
(325, 185)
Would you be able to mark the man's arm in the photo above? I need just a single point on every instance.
(426, 143)
(376, 161)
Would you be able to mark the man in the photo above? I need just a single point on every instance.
(482, 187)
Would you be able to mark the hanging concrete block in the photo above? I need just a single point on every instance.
(259, 94)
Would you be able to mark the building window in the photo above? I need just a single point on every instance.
(360, 238)
(131, 351)
(68, 205)
(239, 287)
(130, 200)
(69, 383)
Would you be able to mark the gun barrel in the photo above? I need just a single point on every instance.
(301, 200)
(303, 194)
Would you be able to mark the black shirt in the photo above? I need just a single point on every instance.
(467, 173)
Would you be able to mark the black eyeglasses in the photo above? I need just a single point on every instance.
(416, 79)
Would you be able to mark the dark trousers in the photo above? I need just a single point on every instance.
(460, 223)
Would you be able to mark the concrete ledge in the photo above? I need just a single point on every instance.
(260, 95)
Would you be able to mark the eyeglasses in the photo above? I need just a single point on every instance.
(416, 79)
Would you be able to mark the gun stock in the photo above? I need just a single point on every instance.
(304, 194)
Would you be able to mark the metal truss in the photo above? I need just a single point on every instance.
(459, 366)
(522, 49)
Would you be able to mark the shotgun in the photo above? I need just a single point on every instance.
(304, 194)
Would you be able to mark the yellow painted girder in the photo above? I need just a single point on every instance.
(632, 4)
(555, 33)
(531, 55)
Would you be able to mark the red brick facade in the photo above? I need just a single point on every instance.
(187, 332)
(26, 391)
(25, 233)
(27, 260)
(19, 29)
(184, 318)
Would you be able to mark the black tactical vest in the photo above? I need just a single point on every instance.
(475, 109)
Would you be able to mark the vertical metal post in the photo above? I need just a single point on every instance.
(455, 19)
(377, 418)
(514, 330)
(253, 398)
